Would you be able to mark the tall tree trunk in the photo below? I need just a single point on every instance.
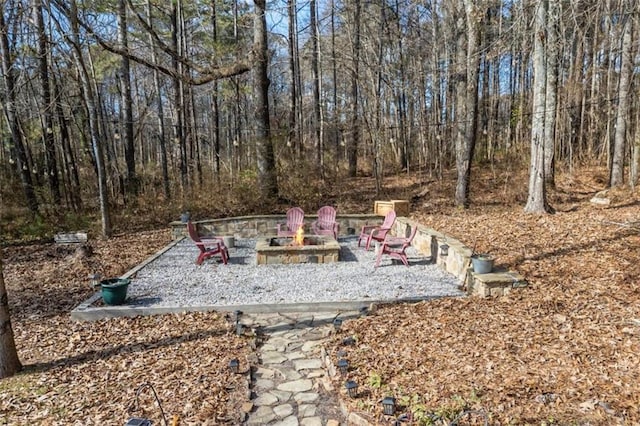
(537, 199)
(265, 157)
(8, 75)
(377, 154)
(402, 96)
(162, 138)
(354, 141)
(334, 71)
(9, 361)
(292, 137)
(551, 98)
(48, 106)
(238, 141)
(215, 107)
(466, 141)
(90, 94)
(178, 94)
(69, 158)
(126, 108)
(317, 104)
(635, 158)
(619, 143)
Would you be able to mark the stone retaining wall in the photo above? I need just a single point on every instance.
(253, 226)
(457, 261)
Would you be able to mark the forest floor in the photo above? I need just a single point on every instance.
(561, 351)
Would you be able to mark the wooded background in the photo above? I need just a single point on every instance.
(107, 102)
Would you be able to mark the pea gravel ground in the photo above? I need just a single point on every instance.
(174, 280)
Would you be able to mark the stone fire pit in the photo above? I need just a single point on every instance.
(315, 249)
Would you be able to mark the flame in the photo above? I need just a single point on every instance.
(298, 239)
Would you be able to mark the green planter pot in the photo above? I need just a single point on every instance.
(114, 290)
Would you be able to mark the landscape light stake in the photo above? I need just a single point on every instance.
(337, 323)
(444, 250)
(388, 406)
(239, 327)
(348, 341)
(234, 365)
(343, 365)
(95, 279)
(136, 421)
(352, 388)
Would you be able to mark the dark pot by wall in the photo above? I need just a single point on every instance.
(482, 263)
(114, 290)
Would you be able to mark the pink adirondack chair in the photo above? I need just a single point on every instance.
(295, 219)
(209, 247)
(395, 247)
(326, 223)
(370, 233)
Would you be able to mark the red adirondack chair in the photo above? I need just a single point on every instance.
(295, 219)
(395, 247)
(370, 233)
(209, 246)
(326, 223)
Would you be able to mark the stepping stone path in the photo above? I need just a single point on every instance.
(290, 385)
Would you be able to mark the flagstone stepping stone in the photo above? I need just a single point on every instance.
(265, 399)
(273, 358)
(294, 346)
(262, 416)
(313, 421)
(264, 384)
(307, 364)
(283, 410)
(308, 346)
(289, 421)
(301, 385)
(295, 355)
(282, 396)
(288, 374)
(306, 410)
(264, 373)
(315, 373)
(305, 397)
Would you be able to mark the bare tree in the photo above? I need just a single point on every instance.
(293, 136)
(89, 93)
(9, 361)
(551, 88)
(48, 106)
(466, 140)
(126, 107)
(354, 141)
(9, 103)
(317, 103)
(264, 144)
(622, 113)
(537, 198)
(162, 138)
(215, 103)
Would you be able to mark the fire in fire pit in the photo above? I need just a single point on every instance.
(309, 240)
(298, 240)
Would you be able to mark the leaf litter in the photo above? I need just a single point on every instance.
(562, 351)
